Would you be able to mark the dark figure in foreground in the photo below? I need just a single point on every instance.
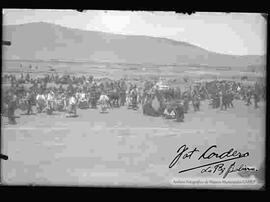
(11, 109)
(230, 99)
(196, 103)
(29, 103)
(186, 104)
(248, 98)
(179, 113)
(256, 100)
(224, 101)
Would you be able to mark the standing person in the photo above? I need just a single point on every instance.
(28, 100)
(217, 100)
(11, 108)
(94, 98)
(223, 101)
(60, 89)
(95, 95)
(27, 78)
(186, 103)
(230, 99)
(40, 101)
(104, 102)
(256, 99)
(196, 102)
(179, 112)
(122, 97)
(134, 98)
(248, 97)
(12, 81)
(50, 99)
(72, 106)
(72, 103)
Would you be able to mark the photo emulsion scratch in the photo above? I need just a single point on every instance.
(133, 99)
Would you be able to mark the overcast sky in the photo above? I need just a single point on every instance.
(234, 33)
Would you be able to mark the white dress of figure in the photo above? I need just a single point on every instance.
(41, 101)
(40, 97)
(82, 97)
(72, 100)
(103, 99)
(72, 106)
(50, 99)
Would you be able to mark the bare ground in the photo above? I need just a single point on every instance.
(124, 147)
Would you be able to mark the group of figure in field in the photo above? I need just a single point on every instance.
(67, 93)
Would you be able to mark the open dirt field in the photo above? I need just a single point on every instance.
(124, 147)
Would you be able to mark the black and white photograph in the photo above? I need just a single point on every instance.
(119, 98)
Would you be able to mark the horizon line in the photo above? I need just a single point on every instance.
(156, 37)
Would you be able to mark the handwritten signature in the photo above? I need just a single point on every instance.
(214, 167)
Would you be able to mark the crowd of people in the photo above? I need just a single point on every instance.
(66, 93)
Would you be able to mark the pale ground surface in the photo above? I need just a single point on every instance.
(124, 147)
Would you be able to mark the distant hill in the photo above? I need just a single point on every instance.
(45, 41)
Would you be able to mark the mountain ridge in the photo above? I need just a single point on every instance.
(43, 40)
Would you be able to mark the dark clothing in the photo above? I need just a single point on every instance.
(248, 98)
(224, 102)
(29, 107)
(93, 98)
(230, 100)
(186, 105)
(179, 113)
(148, 110)
(134, 100)
(122, 98)
(11, 111)
(196, 103)
(29, 104)
(216, 101)
(256, 100)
